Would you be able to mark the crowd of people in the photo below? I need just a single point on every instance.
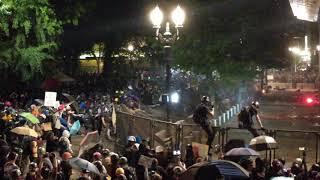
(51, 153)
(261, 170)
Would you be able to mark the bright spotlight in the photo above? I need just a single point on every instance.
(175, 97)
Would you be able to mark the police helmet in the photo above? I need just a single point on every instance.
(205, 99)
(256, 104)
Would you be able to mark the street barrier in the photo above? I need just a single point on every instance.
(170, 135)
(178, 135)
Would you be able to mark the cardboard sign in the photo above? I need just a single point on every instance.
(57, 104)
(144, 160)
(46, 126)
(50, 99)
(200, 150)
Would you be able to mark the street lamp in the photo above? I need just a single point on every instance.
(167, 38)
(130, 47)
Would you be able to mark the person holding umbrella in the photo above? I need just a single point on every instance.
(85, 175)
(247, 164)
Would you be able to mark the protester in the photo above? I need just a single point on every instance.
(11, 165)
(128, 171)
(65, 166)
(64, 142)
(276, 169)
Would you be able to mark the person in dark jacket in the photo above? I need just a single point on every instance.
(201, 116)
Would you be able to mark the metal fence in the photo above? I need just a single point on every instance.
(171, 135)
(178, 135)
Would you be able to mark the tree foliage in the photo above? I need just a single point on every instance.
(28, 33)
(233, 38)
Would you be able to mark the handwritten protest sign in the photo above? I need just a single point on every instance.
(200, 150)
(145, 161)
(50, 99)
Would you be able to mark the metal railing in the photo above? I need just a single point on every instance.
(178, 135)
(174, 135)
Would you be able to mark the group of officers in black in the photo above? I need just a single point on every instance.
(205, 112)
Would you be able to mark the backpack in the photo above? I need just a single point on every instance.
(199, 115)
(244, 117)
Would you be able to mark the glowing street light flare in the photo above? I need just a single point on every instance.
(178, 16)
(156, 17)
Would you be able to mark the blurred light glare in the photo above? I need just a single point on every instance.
(178, 16)
(295, 50)
(175, 97)
(130, 47)
(309, 100)
(306, 10)
(156, 17)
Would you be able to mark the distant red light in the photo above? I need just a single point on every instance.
(309, 100)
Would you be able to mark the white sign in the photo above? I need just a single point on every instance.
(270, 77)
(57, 104)
(50, 99)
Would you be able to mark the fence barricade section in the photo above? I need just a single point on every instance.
(178, 135)
(171, 135)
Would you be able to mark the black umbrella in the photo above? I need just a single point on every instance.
(212, 170)
(74, 103)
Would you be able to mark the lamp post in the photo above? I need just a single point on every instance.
(130, 48)
(167, 39)
(308, 10)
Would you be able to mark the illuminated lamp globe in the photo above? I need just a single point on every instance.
(156, 17)
(178, 16)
